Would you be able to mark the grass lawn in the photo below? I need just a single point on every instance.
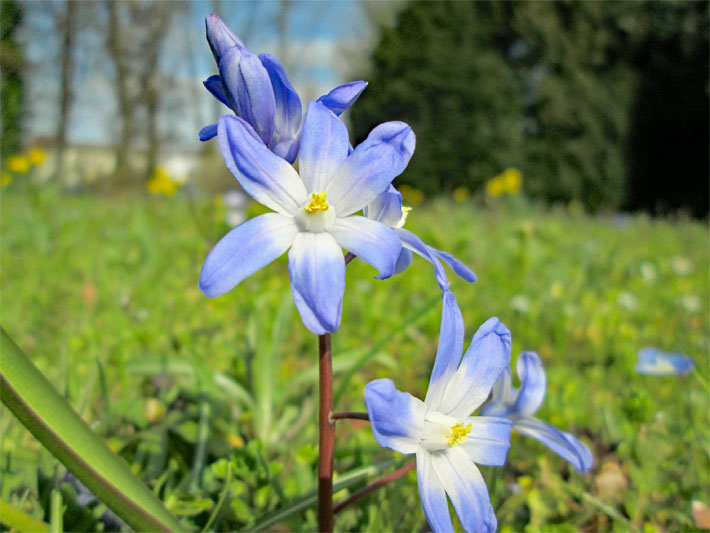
(209, 398)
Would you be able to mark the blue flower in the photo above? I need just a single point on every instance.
(654, 362)
(258, 90)
(314, 211)
(447, 440)
(387, 208)
(520, 405)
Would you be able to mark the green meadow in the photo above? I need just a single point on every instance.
(213, 402)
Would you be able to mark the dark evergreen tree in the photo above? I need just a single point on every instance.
(551, 88)
(11, 88)
(442, 69)
(579, 95)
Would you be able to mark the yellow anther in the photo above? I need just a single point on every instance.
(458, 434)
(405, 214)
(317, 203)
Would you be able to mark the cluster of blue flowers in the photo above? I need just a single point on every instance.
(342, 198)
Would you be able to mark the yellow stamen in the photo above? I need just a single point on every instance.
(458, 434)
(405, 214)
(317, 203)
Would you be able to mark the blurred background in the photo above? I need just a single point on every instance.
(605, 103)
(562, 153)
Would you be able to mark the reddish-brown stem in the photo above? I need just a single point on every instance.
(354, 416)
(326, 422)
(327, 437)
(374, 486)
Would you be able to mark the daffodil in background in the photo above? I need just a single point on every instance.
(508, 182)
(461, 194)
(18, 164)
(162, 183)
(36, 156)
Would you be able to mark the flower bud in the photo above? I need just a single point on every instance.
(219, 36)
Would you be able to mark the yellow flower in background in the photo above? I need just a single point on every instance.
(235, 440)
(495, 187)
(411, 195)
(18, 164)
(161, 183)
(508, 182)
(512, 180)
(5, 179)
(37, 156)
(461, 194)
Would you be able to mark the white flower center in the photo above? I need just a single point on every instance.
(442, 431)
(317, 215)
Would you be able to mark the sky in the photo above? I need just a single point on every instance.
(327, 44)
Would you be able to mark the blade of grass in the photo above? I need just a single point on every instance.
(56, 512)
(265, 365)
(418, 313)
(152, 366)
(607, 510)
(38, 406)
(20, 520)
(203, 433)
(222, 498)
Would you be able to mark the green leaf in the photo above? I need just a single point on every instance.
(303, 502)
(33, 400)
(19, 520)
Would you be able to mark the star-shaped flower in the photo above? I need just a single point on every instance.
(447, 440)
(314, 211)
(654, 362)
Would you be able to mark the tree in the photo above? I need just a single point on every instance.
(158, 15)
(68, 27)
(115, 47)
(442, 69)
(588, 99)
(580, 92)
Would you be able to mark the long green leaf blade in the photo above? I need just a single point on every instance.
(33, 400)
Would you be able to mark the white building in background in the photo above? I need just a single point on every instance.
(90, 164)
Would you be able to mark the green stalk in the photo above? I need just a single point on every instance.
(56, 511)
(38, 406)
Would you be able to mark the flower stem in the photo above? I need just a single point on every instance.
(354, 416)
(374, 486)
(327, 437)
